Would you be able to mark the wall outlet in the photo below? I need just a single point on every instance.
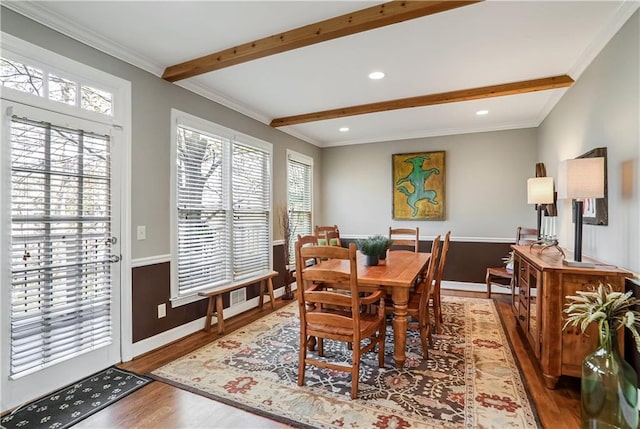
(162, 311)
(238, 296)
(141, 233)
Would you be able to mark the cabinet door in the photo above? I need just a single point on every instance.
(534, 321)
(515, 290)
(575, 344)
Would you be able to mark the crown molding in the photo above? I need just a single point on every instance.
(606, 33)
(436, 133)
(43, 15)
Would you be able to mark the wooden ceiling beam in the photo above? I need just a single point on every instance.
(344, 25)
(523, 87)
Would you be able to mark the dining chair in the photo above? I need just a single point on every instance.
(501, 276)
(322, 229)
(404, 237)
(331, 238)
(308, 240)
(328, 314)
(437, 303)
(418, 305)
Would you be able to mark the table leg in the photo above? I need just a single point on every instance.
(400, 297)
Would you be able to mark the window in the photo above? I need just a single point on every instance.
(299, 197)
(222, 206)
(33, 79)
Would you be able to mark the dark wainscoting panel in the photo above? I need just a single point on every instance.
(466, 262)
(151, 286)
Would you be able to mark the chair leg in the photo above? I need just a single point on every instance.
(382, 334)
(303, 357)
(320, 346)
(355, 373)
(437, 310)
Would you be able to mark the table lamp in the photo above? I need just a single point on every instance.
(539, 192)
(579, 179)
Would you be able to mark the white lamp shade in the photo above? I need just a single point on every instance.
(540, 190)
(581, 178)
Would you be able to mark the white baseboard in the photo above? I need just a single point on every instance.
(167, 337)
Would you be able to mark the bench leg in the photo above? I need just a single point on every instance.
(270, 287)
(261, 300)
(488, 282)
(207, 321)
(219, 313)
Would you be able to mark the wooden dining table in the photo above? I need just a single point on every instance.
(396, 274)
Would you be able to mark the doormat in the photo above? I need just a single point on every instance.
(471, 379)
(75, 402)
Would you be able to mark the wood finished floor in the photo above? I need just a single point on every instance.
(159, 405)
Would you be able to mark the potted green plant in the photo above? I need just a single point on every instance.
(385, 243)
(609, 394)
(371, 247)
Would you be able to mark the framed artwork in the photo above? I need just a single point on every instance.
(418, 186)
(596, 210)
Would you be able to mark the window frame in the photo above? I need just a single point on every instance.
(21, 51)
(307, 160)
(183, 119)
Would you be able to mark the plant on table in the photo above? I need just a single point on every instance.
(371, 247)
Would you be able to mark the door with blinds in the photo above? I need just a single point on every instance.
(61, 253)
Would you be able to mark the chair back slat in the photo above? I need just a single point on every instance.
(404, 237)
(426, 286)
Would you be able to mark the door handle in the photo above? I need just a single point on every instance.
(114, 258)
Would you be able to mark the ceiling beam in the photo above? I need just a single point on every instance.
(344, 25)
(523, 87)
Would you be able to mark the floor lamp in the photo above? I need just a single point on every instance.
(579, 179)
(539, 192)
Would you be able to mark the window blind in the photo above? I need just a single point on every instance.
(60, 243)
(223, 198)
(299, 196)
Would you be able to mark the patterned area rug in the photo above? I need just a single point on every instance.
(76, 402)
(470, 380)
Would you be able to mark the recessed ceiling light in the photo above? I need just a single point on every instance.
(482, 112)
(376, 75)
(344, 129)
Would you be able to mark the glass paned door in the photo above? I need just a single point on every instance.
(64, 253)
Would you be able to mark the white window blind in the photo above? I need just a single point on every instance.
(299, 198)
(223, 210)
(60, 243)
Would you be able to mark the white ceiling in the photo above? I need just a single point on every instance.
(483, 44)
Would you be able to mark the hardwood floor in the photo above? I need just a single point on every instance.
(159, 405)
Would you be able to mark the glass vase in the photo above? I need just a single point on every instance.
(609, 387)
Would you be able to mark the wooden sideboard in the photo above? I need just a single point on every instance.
(541, 283)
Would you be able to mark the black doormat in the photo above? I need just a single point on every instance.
(75, 402)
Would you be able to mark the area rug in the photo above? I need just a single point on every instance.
(69, 405)
(471, 379)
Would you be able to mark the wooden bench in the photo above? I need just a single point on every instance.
(217, 295)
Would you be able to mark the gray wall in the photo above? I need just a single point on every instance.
(602, 109)
(486, 191)
(152, 100)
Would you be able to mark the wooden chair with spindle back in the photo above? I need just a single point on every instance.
(501, 276)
